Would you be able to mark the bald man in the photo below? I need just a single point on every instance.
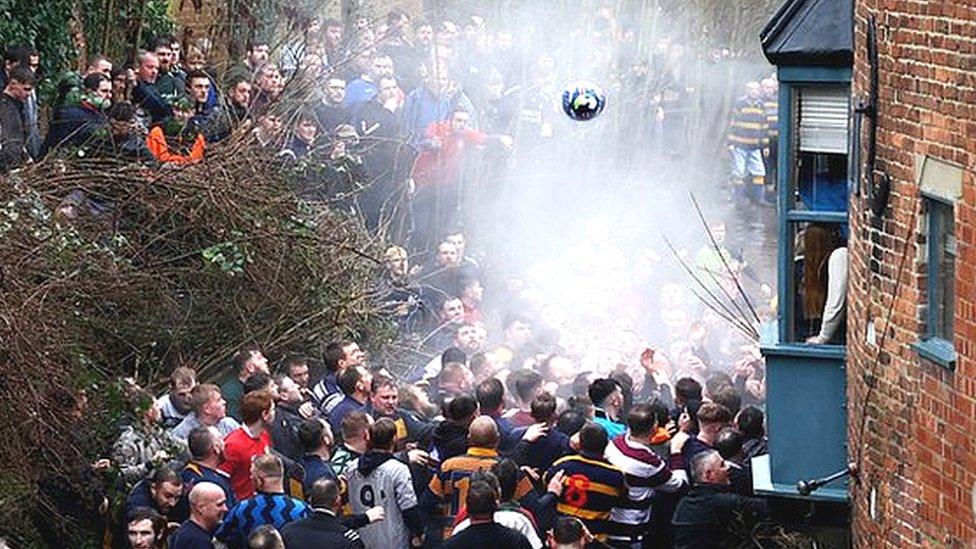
(483, 433)
(448, 488)
(208, 505)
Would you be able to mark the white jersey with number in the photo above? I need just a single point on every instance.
(388, 486)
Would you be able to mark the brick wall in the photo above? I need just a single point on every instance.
(919, 444)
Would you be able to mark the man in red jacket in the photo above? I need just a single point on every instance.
(249, 440)
(437, 173)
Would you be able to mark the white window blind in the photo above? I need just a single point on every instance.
(823, 119)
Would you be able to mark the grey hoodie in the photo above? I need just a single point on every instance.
(378, 479)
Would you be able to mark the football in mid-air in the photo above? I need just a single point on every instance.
(583, 100)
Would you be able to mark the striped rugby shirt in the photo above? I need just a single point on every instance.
(264, 508)
(645, 472)
(450, 483)
(592, 488)
(749, 126)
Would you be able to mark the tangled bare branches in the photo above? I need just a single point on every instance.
(109, 268)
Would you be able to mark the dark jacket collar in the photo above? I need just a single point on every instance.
(706, 487)
(371, 460)
(11, 98)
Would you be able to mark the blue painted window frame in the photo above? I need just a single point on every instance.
(822, 366)
(936, 345)
(791, 79)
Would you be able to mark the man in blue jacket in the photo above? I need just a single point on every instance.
(76, 124)
(206, 452)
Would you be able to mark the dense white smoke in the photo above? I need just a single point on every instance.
(573, 221)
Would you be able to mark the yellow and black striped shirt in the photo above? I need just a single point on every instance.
(450, 483)
(749, 128)
(591, 490)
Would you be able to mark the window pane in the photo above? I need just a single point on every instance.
(942, 238)
(818, 284)
(821, 182)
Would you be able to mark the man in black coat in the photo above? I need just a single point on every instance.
(13, 121)
(288, 418)
(332, 111)
(484, 532)
(322, 528)
(729, 446)
(76, 124)
(26, 56)
(145, 94)
(711, 516)
(376, 123)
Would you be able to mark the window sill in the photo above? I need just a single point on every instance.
(805, 350)
(938, 351)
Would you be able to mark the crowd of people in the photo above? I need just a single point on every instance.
(515, 426)
(356, 457)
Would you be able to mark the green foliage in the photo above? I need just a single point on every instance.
(42, 24)
(51, 26)
(113, 26)
(230, 256)
(175, 267)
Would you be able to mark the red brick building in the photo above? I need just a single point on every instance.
(877, 110)
(911, 382)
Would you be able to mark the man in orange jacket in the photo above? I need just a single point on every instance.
(176, 141)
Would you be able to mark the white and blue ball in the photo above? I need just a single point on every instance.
(583, 100)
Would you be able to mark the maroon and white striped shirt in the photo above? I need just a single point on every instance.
(645, 472)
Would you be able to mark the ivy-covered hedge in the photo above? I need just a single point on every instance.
(59, 29)
(111, 269)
